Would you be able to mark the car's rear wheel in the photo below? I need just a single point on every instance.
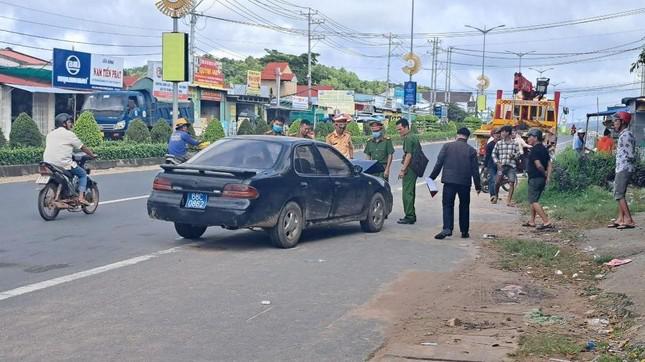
(286, 233)
(375, 215)
(189, 231)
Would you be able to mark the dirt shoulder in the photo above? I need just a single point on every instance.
(524, 295)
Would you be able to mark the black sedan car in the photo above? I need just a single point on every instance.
(280, 184)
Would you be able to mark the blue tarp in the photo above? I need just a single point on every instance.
(610, 111)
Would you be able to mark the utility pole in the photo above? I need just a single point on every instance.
(389, 56)
(191, 50)
(310, 22)
(435, 64)
(642, 80)
(411, 52)
(449, 73)
(446, 94)
(482, 91)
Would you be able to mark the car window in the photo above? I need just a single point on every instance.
(306, 163)
(335, 164)
(244, 154)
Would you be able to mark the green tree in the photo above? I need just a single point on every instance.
(354, 129)
(640, 62)
(295, 126)
(214, 131)
(25, 133)
(472, 122)
(245, 128)
(161, 131)
(391, 127)
(297, 63)
(140, 72)
(323, 129)
(3, 140)
(261, 127)
(88, 130)
(137, 132)
(456, 113)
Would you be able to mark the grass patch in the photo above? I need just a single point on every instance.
(519, 253)
(548, 344)
(591, 206)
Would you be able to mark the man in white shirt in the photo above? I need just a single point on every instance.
(59, 147)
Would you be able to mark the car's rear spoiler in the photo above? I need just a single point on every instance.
(224, 171)
(370, 166)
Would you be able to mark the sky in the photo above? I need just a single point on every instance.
(590, 59)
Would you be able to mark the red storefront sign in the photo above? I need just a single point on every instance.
(209, 74)
(209, 95)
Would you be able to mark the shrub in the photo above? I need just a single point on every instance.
(161, 131)
(472, 122)
(261, 127)
(354, 129)
(214, 131)
(137, 132)
(323, 129)
(88, 130)
(391, 127)
(572, 172)
(245, 128)
(294, 128)
(3, 141)
(25, 133)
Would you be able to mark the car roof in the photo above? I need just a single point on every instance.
(275, 139)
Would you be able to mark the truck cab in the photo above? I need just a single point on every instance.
(115, 109)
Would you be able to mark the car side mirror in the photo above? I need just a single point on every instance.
(357, 169)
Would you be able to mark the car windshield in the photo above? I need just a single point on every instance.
(238, 153)
(105, 102)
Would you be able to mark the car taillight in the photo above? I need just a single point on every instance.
(240, 191)
(44, 170)
(161, 184)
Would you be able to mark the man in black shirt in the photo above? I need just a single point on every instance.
(490, 164)
(539, 172)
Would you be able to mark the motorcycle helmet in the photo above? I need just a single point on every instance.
(60, 119)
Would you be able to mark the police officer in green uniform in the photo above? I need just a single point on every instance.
(379, 148)
(410, 145)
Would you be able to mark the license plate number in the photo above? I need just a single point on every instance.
(42, 180)
(195, 200)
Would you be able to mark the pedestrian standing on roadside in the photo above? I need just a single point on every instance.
(625, 166)
(606, 143)
(305, 131)
(340, 139)
(407, 174)
(579, 143)
(539, 173)
(457, 162)
(491, 166)
(380, 148)
(277, 127)
(505, 154)
(524, 147)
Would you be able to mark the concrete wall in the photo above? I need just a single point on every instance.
(5, 109)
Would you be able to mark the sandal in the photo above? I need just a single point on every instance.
(528, 225)
(546, 226)
(613, 225)
(625, 226)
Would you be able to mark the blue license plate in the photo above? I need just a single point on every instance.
(195, 200)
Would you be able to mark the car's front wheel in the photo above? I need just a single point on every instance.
(286, 233)
(375, 215)
(189, 231)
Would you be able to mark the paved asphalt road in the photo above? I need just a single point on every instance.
(163, 298)
(194, 301)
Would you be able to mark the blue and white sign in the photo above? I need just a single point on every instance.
(79, 70)
(410, 93)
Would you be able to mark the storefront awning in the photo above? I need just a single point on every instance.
(32, 89)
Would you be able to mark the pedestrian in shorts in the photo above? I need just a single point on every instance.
(538, 169)
(505, 155)
(625, 167)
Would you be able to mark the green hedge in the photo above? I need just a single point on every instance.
(33, 155)
(245, 128)
(25, 133)
(261, 127)
(214, 131)
(88, 130)
(137, 132)
(161, 131)
(3, 140)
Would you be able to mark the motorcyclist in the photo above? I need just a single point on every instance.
(59, 148)
(179, 139)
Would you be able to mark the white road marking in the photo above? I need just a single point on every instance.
(123, 200)
(87, 273)
(259, 314)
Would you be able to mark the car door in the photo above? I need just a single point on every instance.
(314, 185)
(349, 193)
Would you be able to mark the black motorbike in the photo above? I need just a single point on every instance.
(60, 189)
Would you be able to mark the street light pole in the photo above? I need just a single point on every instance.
(520, 55)
(541, 70)
(484, 32)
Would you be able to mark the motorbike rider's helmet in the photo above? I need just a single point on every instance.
(181, 122)
(60, 119)
(624, 117)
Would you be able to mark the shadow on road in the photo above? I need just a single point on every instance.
(250, 240)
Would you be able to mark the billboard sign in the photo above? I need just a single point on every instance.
(79, 70)
(161, 89)
(342, 100)
(299, 102)
(253, 81)
(410, 93)
(209, 73)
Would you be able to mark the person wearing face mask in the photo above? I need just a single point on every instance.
(380, 148)
(339, 139)
(277, 127)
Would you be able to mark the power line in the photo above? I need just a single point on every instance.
(77, 29)
(51, 49)
(78, 42)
